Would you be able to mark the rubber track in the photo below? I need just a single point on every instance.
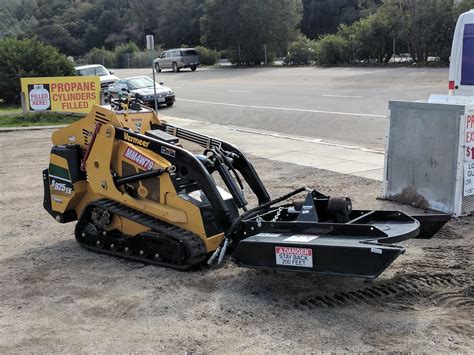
(405, 289)
(194, 247)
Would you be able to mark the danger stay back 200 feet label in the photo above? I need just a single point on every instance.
(297, 257)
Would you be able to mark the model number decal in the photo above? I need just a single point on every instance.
(61, 187)
(139, 159)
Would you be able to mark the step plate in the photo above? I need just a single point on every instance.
(335, 255)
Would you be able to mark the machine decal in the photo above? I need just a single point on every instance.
(300, 238)
(268, 235)
(169, 152)
(62, 187)
(298, 257)
(57, 199)
(137, 158)
(135, 140)
(59, 172)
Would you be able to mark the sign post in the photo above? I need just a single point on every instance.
(150, 45)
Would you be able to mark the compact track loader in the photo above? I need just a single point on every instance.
(136, 192)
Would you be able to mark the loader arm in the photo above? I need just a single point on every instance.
(241, 163)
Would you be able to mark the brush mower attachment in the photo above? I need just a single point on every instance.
(326, 236)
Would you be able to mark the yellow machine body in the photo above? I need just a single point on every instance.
(108, 158)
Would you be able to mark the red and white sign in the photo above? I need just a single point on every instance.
(297, 257)
(469, 138)
(39, 98)
(138, 158)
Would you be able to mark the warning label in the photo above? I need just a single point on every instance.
(298, 257)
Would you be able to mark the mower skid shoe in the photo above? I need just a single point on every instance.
(430, 224)
(323, 254)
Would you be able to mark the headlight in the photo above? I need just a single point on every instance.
(170, 92)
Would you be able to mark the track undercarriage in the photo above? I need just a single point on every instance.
(163, 245)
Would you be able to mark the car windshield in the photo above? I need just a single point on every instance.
(189, 52)
(99, 71)
(138, 83)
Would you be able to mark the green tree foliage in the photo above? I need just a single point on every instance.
(122, 54)
(302, 51)
(208, 56)
(333, 49)
(246, 26)
(322, 17)
(421, 28)
(28, 58)
(371, 38)
(102, 56)
(425, 26)
(14, 18)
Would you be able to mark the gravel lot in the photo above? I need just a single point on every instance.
(57, 297)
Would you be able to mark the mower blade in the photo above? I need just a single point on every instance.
(325, 254)
(430, 224)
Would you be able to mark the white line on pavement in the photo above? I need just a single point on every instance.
(286, 109)
(343, 96)
(248, 91)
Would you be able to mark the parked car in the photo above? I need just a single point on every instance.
(177, 59)
(106, 77)
(142, 88)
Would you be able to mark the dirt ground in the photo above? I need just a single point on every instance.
(58, 297)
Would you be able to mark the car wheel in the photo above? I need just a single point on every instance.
(170, 104)
(175, 67)
(193, 68)
(157, 67)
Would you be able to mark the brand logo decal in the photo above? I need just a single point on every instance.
(135, 140)
(169, 152)
(139, 159)
(57, 199)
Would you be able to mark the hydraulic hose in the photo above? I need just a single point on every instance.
(221, 250)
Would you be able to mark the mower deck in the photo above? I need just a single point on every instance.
(360, 247)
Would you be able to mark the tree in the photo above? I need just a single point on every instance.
(28, 58)
(371, 38)
(59, 37)
(333, 49)
(425, 26)
(301, 52)
(246, 26)
(322, 17)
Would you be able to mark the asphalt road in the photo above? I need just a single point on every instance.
(346, 106)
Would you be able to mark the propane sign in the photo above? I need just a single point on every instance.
(469, 156)
(469, 138)
(61, 94)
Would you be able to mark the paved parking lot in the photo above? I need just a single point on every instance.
(346, 106)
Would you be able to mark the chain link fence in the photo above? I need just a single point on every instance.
(112, 60)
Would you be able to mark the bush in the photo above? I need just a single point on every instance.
(122, 54)
(207, 56)
(302, 52)
(333, 49)
(28, 58)
(102, 56)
